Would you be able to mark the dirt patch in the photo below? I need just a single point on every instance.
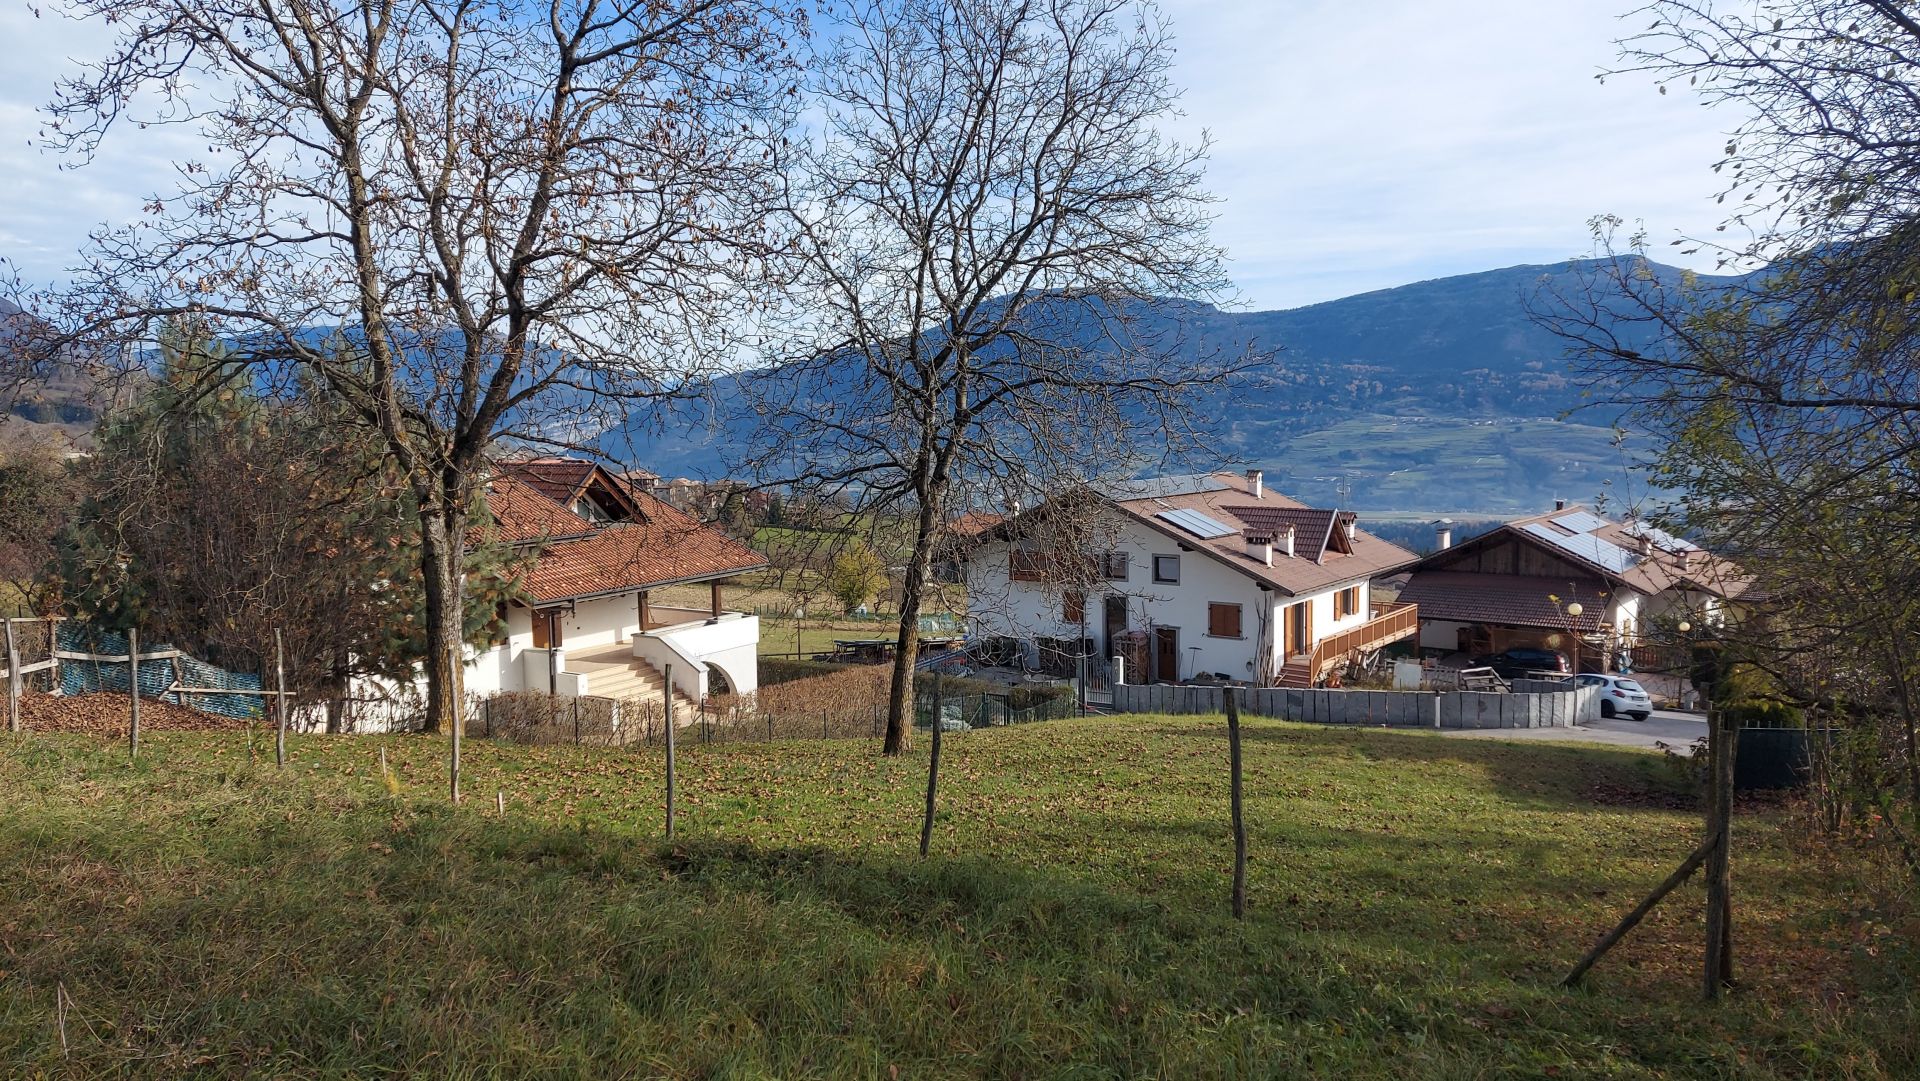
(1621, 795)
(105, 714)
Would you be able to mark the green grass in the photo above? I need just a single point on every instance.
(1413, 901)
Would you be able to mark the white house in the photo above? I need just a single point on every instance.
(1516, 586)
(598, 548)
(1210, 577)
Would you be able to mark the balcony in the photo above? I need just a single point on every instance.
(1391, 622)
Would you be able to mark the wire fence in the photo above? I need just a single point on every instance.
(540, 718)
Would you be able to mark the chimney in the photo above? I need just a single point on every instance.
(1255, 482)
(1443, 534)
(1260, 548)
(1352, 526)
(1559, 504)
(1286, 541)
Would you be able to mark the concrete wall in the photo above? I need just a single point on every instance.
(1400, 709)
(730, 643)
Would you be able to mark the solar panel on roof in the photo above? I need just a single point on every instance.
(1196, 523)
(1665, 539)
(1602, 553)
(1579, 521)
(1164, 487)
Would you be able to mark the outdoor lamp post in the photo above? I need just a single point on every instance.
(1573, 612)
(799, 613)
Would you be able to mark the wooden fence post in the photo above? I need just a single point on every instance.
(133, 693)
(1230, 699)
(13, 681)
(1718, 971)
(279, 702)
(667, 701)
(933, 769)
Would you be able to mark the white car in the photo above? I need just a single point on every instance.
(1618, 695)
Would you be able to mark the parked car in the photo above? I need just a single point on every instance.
(1522, 663)
(1618, 695)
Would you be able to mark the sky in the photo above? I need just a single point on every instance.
(1358, 144)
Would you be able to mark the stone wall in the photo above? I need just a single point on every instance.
(1397, 709)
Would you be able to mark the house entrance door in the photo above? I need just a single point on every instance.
(1166, 654)
(1114, 624)
(1299, 629)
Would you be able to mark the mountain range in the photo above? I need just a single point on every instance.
(1439, 397)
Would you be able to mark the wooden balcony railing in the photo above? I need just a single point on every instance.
(1390, 623)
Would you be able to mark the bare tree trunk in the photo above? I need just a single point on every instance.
(338, 684)
(907, 646)
(440, 573)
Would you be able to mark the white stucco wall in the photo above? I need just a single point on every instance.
(730, 643)
(1000, 606)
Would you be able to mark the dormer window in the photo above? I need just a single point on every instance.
(591, 511)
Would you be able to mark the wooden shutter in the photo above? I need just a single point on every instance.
(1223, 620)
(1074, 608)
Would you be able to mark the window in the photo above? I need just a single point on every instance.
(1346, 602)
(1113, 566)
(1223, 620)
(1024, 565)
(1166, 568)
(1074, 607)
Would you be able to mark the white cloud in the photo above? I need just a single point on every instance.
(1360, 145)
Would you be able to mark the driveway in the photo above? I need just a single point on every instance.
(1671, 727)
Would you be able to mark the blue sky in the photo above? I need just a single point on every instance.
(1358, 144)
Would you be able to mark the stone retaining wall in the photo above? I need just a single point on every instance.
(1398, 709)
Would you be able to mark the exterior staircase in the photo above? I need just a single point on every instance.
(1298, 672)
(638, 685)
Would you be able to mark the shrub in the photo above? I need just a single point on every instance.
(776, 670)
(1759, 713)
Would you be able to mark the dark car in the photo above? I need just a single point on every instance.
(1523, 663)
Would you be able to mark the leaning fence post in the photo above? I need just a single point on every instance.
(279, 702)
(667, 703)
(13, 681)
(133, 693)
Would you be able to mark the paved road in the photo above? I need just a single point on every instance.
(1670, 727)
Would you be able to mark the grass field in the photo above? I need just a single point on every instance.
(1413, 901)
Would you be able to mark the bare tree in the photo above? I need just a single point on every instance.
(986, 217)
(1788, 397)
(528, 217)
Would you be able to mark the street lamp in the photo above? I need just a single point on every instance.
(1573, 612)
(799, 613)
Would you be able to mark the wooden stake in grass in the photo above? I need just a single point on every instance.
(133, 694)
(1718, 972)
(1231, 701)
(500, 802)
(279, 702)
(933, 769)
(667, 704)
(13, 681)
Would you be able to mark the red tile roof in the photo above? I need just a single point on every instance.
(559, 479)
(1509, 600)
(577, 558)
(973, 523)
(1653, 561)
(524, 516)
(666, 547)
